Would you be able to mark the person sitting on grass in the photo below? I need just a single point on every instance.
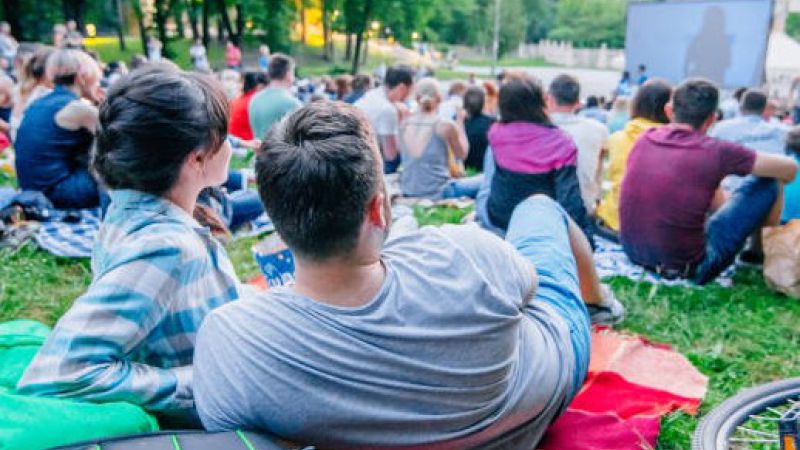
(531, 156)
(791, 201)
(425, 141)
(442, 337)
(156, 271)
(674, 218)
(647, 111)
(53, 140)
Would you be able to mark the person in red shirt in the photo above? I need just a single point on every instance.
(675, 220)
(239, 125)
(233, 56)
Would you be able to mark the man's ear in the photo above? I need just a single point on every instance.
(376, 212)
(669, 111)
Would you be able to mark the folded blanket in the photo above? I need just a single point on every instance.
(33, 423)
(610, 260)
(631, 384)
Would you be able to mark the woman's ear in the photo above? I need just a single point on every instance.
(669, 111)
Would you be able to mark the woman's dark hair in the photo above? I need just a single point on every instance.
(474, 99)
(650, 99)
(522, 100)
(253, 79)
(151, 121)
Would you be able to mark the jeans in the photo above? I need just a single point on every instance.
(77, 191)
(463, 187)
(482, 198)
(539, 230)
(796, 115)
(391, 166)
(246, 206)
(727, 229)
(236, 181)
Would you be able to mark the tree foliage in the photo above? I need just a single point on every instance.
(590, 23)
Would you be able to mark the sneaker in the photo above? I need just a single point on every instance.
(751, 257)
(609, 312)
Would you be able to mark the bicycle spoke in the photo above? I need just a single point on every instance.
(767, 419)
(756, 432)
(752, 441)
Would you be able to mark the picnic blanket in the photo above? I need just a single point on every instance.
(75, 239)
(610, 260)
(631, 384)
(33, 423)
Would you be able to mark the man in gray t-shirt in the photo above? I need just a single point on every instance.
(443, 337)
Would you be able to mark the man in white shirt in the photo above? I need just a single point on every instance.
(378, 105)
(563, 99)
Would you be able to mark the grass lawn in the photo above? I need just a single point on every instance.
(738, 337)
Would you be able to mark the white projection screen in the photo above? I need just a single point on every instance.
(724, 40)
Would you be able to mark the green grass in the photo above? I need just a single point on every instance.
(738, 337)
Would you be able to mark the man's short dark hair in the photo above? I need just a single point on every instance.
(474, 99)
(592, 102)
(650, 100)
(280, 66)
(694, 101)
(362, 82)
(566, 90)
(252, 80)
(317, 173)
(642, 68)
(399, 74)
(145, 135)
(754, 101)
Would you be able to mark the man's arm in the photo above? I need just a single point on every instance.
(782, 168)
(389, 146)
(457, 139)
(78, 114)
(87, 354)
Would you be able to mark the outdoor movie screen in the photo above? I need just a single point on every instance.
(724, 40)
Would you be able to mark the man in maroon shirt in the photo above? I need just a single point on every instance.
(674, 218)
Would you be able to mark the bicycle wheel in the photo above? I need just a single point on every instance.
(748, 420)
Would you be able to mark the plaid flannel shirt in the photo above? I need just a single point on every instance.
(130, 337)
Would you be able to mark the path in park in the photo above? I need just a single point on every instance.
(593, 81)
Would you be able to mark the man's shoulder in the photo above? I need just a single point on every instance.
(451, 242)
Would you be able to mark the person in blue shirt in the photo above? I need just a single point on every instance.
(751, 129)
(791, 191)
(53, 140)
(642, 75)
(156, 272)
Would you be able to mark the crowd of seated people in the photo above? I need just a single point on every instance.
(167, 325)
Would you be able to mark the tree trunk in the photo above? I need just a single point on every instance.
(226, 20)
(140, 23)
(11, 12)
(192, 12)
(177, 15)
(360, 36)
(239, 22)
(303, 21)
(348, 46)
(120, 23)
(74, 10)
(206, 30)
(161, 27)
(220, 31)
(326, 54)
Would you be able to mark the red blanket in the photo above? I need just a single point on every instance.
(631, 384)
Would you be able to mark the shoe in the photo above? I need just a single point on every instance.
(609, 311)
(751, 257)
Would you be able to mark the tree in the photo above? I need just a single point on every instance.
(360, 31)
(590, 23)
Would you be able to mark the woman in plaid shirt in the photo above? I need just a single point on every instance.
(157, 272)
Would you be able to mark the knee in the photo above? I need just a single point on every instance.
(767, 187)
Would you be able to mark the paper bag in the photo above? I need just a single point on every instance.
(782, 258)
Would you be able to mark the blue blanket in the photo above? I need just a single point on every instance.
(75, 240)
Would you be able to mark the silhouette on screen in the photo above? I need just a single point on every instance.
(709, 54)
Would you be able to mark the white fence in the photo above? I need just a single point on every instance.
(563, 53)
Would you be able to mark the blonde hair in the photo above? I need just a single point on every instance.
(428, 95)
(64, 66)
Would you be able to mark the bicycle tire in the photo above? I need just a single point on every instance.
(719, 425)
